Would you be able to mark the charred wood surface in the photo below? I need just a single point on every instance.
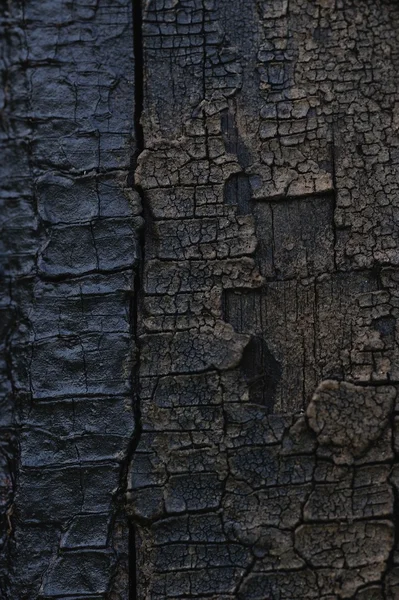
(199, 298)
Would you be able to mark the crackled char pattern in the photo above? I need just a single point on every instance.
(264, 463)
(69, 245)
(267, 463)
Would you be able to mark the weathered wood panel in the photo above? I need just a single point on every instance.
(69, 235)
(268, 322)
(230, 373)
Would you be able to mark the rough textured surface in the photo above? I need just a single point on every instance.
(266, 466)
(224, 378)
(69, 246)
(349, 419)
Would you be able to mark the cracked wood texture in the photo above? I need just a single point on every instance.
(220, 376)
(266, 465)
(69, 250)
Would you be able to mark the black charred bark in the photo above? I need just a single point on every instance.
(70, 238)
(199, 300)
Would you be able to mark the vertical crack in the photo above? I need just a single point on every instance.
(133, 595)
(391, 562)
(138, 278)
(138, 74)
(334, 195)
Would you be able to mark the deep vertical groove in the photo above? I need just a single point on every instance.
(390, 564)
(132, 564)
(138, 72)
(334, 195)
(134, 309)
